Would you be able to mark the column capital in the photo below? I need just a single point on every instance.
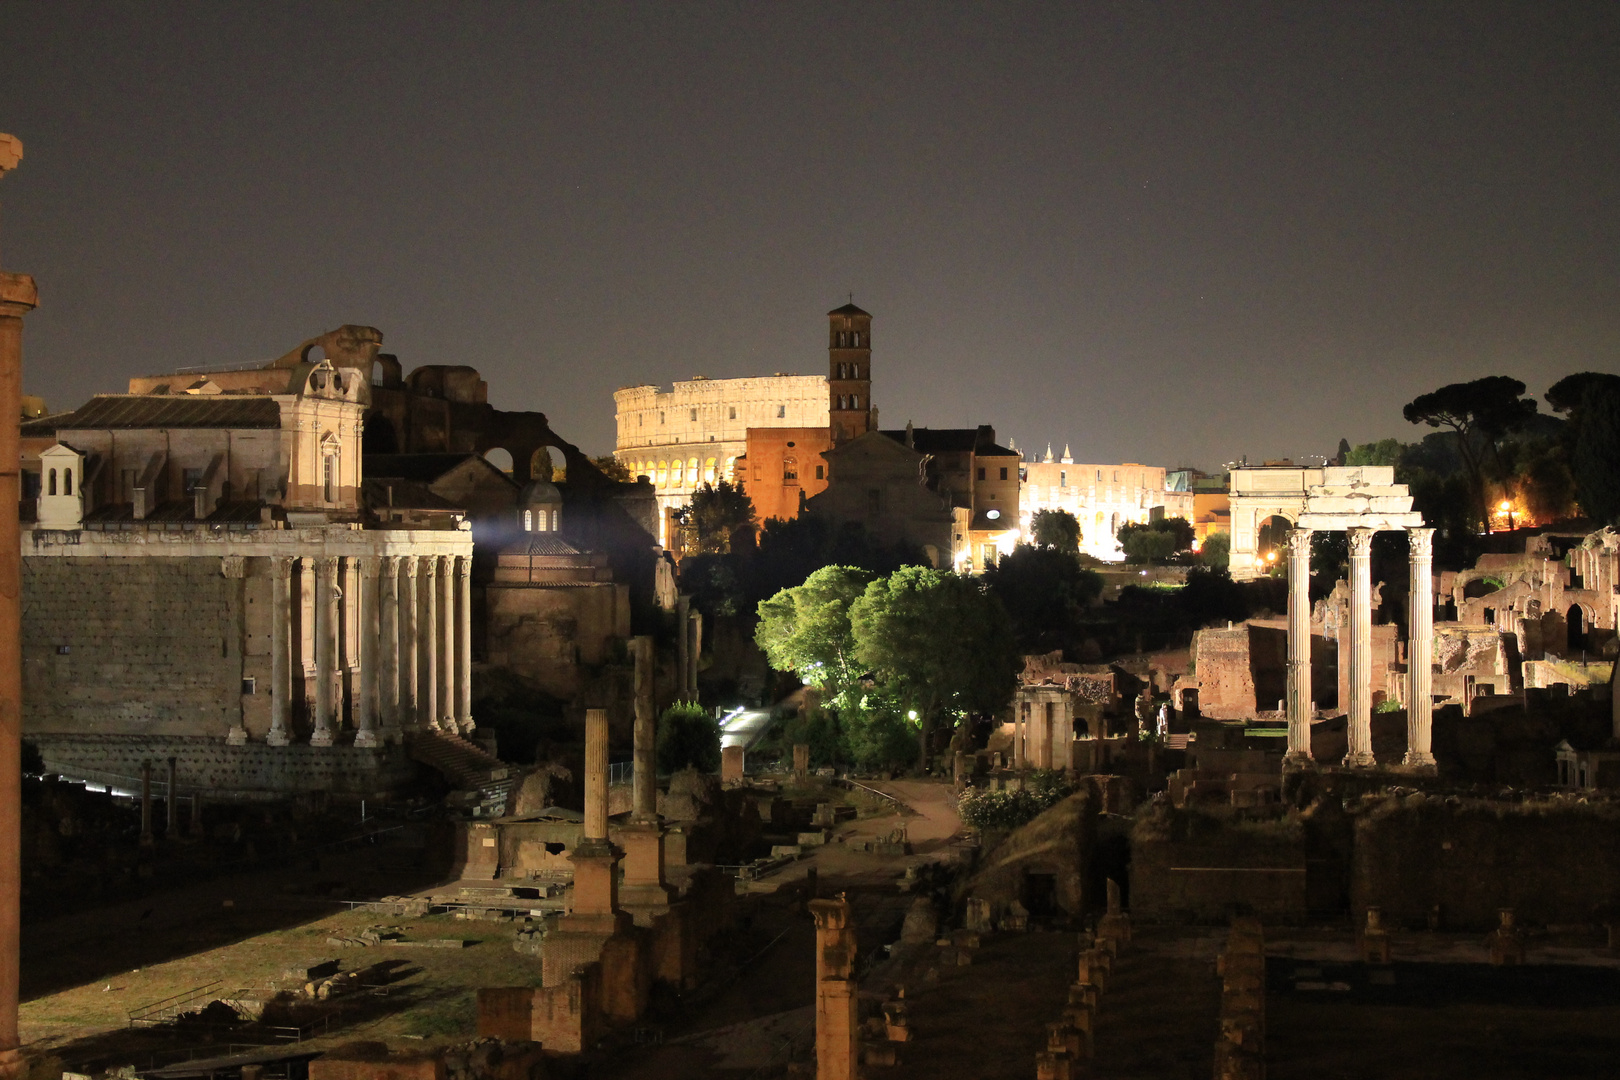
(463, 567)
(388, 564)
(281, 567)
(407, 564)
(429, 566)
(369, 565)
(1360, 541)
(1421, 543)
(1299, 543)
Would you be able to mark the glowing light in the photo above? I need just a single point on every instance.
(1504, 506)
(912, 714)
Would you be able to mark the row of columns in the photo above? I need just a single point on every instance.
(1043, 733)
(407, 652)
(1420, 635)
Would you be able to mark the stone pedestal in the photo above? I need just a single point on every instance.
(732, 765)
(643, 892)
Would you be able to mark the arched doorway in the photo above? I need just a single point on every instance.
(1271, 540)
(379, 436)
(1575, 623)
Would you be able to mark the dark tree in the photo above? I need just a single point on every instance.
(1155, 541)
(1045, 592)
(715, 512)
(612, 468)
(1596, 460)
(688, 737)
(1479, 413)
(1057, 529)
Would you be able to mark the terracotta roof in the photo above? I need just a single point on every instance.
(538, 543)
(165, 411)
(379, 492)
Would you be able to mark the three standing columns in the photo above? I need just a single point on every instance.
(407, 649)
(1420, 651)
(1300, 705)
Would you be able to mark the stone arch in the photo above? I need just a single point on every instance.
(542, 466)
(1270, 537)
(501, 458)
(379, 436)
(1577, 626)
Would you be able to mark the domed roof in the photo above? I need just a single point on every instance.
(539, 493)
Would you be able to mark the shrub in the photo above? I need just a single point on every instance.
(688, 737)
(983, 809)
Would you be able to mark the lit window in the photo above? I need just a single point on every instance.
(329, 478)
(790, 471)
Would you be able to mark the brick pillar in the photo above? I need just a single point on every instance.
(17, 298)
(837, 991)
(388, 646)
(369, 626)
(1299, 647)
(1420, 651)
(1360, 753)
(464, 716)
(280, 649)
(427, 636)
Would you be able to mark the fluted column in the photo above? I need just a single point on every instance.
(1299, 703)
(464, 716)
(447, 638)
(1420, 650)
(1360, 752)
(644, 783)
(596, 775)
(427, 636)
(388, 645)
(326, 647)
(1020, 733)
(306, 626)
(408, 659)
(280, 648)
(369, 627)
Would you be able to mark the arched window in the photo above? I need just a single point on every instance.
(51, 488)
(790, 470)
(854, 401)
(528, 521)
(67, 481)
(329, 477)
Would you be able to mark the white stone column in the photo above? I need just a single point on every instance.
(1020, 730)
(644, 781)
(280, 648)
(326, 644)
(596, 774)
(447, 637)
(1299, 701)
(408, 646)
(369, 627)
(427, 701)
(464, 716)
(1360, 720)
(1420, 650)
(1063, 733)
(388, 646)
(306, 624)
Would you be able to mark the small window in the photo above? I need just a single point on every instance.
(1004, 472)
(734, 412)
(1099, 474)
(781, 412)
(528, 521)
(790, 471)
(250, 686)
(660, 418)
(1063, 479)
(981, 474)
(855, 401)
(329, 480)
(821, 472)
(51, 487)
(194, 479)
(67, 481)
(694, 415)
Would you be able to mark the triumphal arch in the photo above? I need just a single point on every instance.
(1360, 501)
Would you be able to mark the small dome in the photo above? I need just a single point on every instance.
(540, 493)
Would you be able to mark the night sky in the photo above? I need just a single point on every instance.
(1168, 233)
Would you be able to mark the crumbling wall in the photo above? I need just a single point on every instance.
(1552, 862)
(1193, 866)
(1059, 842)
(206, 764)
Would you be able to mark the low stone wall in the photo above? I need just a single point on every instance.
(1192, 867)
(211, 766)
(1552, 862)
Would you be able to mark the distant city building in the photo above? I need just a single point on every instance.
(1101, 497)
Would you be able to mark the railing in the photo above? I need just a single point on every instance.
(240, 365)
(166, 1009)
(621, 772)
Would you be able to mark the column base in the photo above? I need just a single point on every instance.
(365, 738)
(236, 737)
(1362, 760)
(1419, 762)
(392, 736)
(1298, 759)
(467, 726)
(321, 737)
(277, 738)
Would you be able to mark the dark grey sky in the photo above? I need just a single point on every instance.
(1162, 232)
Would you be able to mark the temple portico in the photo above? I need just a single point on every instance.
(1361, 502)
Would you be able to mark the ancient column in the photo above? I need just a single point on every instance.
(306, 626)
(408, 644)
(1360, 753)
(464, 716)
(17, 298)
(171, 807)
(428, 637)
(694, 651)
(326, 646)
(596, 774)
(1420, 649)
(1020, 727)
(196, 822)
(1064, 734)
(645, 781)
(280, 648)
(388, 646)
(683, 648)
(1299, 702)
(147, 839)
(837, 991)
(369, 627)
(448, 666)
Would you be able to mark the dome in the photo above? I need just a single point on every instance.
(540, 493)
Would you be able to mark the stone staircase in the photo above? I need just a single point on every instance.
(486, 779)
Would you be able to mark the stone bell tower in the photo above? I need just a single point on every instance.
(849, 373)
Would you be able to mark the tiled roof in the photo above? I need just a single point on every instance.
(165, 411)
(422, 467)
(539, 543)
